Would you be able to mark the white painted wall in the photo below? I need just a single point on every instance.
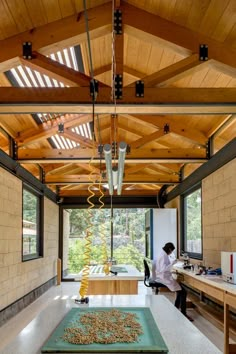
(164, 229)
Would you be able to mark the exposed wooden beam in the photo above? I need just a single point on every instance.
(133, 72)
(119, 53)
(223, 122)
(56, 70)
(136, 168)
(44, 131)
(126, 69)
(53, 36)
(173, 72)
(78, 138)
(77, 179)
(175, 127)
(178, 37)
(102, 69)
(135, 156)
(155, 100)
(147, 139)
(78, 193)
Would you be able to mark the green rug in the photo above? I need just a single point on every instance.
(150, 341)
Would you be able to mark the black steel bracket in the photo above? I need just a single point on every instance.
(118, 22)
(139, 88)
(118, 86)
(13, 149)
(27, 50)
(94, 88)
(203, 52)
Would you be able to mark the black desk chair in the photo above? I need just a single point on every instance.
(149, 282)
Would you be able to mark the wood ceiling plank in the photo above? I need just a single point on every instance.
(36, 12)
(52, 10)
(53, 37)
(177, 36)
(7, 24)
(197, 13)
(226, 22)
(66, 7)
(212, 16)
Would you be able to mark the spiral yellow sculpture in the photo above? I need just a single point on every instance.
(106, 268)
(85, 273)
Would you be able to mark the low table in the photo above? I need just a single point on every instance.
(124, 283)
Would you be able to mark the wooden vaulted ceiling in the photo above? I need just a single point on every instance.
(159, 44)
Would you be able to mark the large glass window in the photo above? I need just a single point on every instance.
(32, 242)
(123, 235)
(192, 223)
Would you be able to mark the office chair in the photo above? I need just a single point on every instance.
(149, 282)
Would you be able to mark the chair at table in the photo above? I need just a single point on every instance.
(149, 282)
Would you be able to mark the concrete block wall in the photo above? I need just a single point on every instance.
(18, 278)
(219, 213)
(66, 233)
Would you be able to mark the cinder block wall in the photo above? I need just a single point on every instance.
(66, 233)
(18, 278)
(219, 213)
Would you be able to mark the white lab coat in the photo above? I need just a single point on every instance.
(161, 271)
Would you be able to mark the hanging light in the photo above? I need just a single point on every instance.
(121, 165)
(108, 159)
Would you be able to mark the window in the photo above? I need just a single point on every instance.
(192, 223)
(32, 240)
(122, 236)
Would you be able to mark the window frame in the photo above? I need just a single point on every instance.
(39, 226)
(183, 238)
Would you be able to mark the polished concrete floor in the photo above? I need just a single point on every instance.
(27, 319)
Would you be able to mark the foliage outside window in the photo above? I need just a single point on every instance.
(31, 245)
(128, 236)
(192, 223)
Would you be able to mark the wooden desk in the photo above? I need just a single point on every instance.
(215, 287)
(124, 283)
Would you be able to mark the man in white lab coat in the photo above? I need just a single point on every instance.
(162, 273)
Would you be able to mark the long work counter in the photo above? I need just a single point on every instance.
(124, 283)
(217, 288)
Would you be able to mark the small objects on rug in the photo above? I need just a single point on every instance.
(104, 327)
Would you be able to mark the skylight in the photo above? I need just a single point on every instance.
(26, 77)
